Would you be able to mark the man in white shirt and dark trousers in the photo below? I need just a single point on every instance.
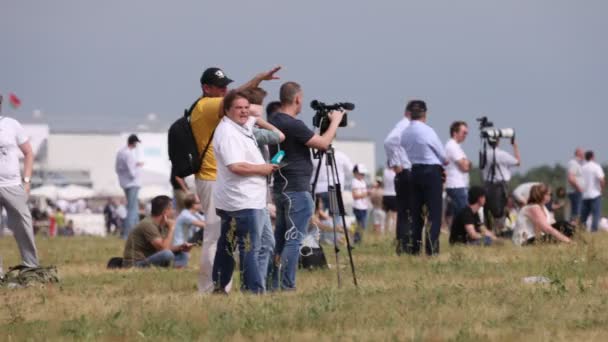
(427, 155)
(457, 171)
(127, 169)
(14, 190)
(575, 184)
(594, 181)
(396, 159)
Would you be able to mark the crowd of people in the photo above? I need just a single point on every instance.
(243, 200)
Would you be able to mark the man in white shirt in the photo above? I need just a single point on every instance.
(14, 190)
(397, 160)
(457, 170)
(239, 193)
(574, 184)
(127, 169)
(593, 178)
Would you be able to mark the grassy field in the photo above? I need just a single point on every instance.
(464, 294)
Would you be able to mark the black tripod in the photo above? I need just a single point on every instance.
(498, 204)
(336, 205)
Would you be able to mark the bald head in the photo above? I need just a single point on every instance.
(288, 93)
(579, 153)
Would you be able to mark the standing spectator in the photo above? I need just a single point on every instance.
(127, 169)
(389, 199)
(397, 160)
(593, 178)
(292, 184)
(497, 179)
(575, 184)
(14, 189)
(240, 193)
(206, 115)
(457, 170)
(360, 199)
(427, 155)
(187, 223)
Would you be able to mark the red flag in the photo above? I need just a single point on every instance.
(14, 100)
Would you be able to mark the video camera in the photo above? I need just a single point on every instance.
(487, 131)
(321, 118)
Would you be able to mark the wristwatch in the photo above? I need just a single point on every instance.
(27, 180)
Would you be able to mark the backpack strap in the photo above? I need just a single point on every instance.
(207, 147)
(187, 112)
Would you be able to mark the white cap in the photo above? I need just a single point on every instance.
(360, 168)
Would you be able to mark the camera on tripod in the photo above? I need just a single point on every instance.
(321, 118)
(492, 134)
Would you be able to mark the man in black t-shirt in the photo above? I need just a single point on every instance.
(467, 227)
(291, 190)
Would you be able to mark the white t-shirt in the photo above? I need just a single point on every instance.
(12, 135)
(504, 163)
(359, 186)
(456, 178)
(343, 165)
(522, 192)
(388, 178)
(232, 144)
(592, 174)
(575, 168)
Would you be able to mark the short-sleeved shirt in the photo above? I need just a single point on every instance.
(592, 174)
(458, 232)
(455, 177)
(574, 168)
(388, 178)
(139, 243)
(233, 144)
(204, 119)
(360, 187)
(504, 163)
(12, 135)
(184, 226)
(299, 169)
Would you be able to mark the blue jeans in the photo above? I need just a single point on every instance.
(294, 210)
(181, 259)
(576, 199)
(159, 259)
(245, 233)
(592, 206)
(132, 211)
(361, 216)
(459, 197)
(427, 186)
(266, 249)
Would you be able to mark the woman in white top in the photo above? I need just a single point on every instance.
(533, 220)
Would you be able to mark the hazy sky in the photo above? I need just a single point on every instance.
(540, 67)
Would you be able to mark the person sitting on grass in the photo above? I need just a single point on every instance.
(188, 222)
(149, 243)
(534, 221)
(467, 227)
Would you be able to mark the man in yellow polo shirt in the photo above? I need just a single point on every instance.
(205, 117)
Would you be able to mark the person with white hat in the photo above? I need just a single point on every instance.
(360, 202)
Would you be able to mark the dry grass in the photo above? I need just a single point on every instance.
(464, 294)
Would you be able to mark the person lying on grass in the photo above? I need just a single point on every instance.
(467, 227)
(150, 242)
(534, 221)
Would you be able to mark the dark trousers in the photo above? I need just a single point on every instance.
(427, 188)
(404, 204)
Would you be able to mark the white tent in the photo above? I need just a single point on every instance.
(75, 192)
(46, 191)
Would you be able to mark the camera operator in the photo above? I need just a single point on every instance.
(427, 155)
(497, 173)
(291, 189)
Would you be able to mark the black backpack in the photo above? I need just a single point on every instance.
(183, 150)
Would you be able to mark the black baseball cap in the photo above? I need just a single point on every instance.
(133, 139)
(216, 77)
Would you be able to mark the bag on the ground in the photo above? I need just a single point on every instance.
(183, 150)
(114, 263)
(23, 276)
(312, 258)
